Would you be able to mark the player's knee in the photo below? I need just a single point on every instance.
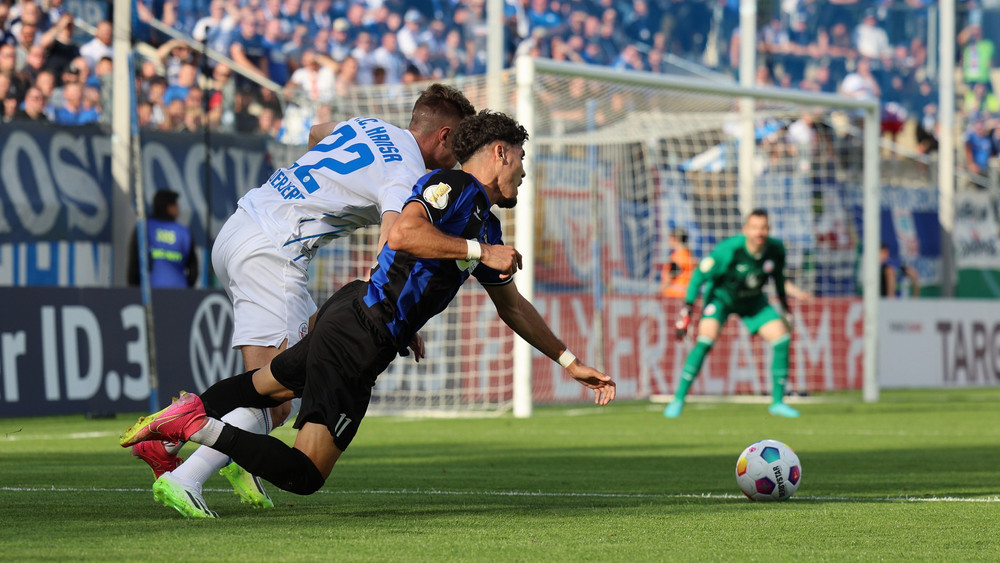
(782, 342)
(279, 414)
(307, 479)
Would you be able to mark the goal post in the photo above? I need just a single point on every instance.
(652, 152)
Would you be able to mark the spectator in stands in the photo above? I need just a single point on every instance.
(9, 109)
(6, 37)
(540, 16)
(819, 79)
(861, 83)
(870, 39)
(34, 107)
(927, 130)
(640, 25)
(408, 35)
(347, 77)
(362, 54)
(35, 63)
(388, 57)
(293, 48)
(157, 88)
(339, 44)
(102, 80)
(91, 103)
(268, 124)
(774, 39)
(841, 49)
(27, 37)
(78, 71)
(5, 86)
(73, 112)
(629, 59)
(978, 148)
(248, 47)
(46, 82)
(421, 63)
(144, 113)
(977, 57)
(195, 100)
(435, 37)
(100, 46)
(277, 63)
(291, 14)
(187, 78)
(61, 50)
(15, 82)
(243, 121)
(313, 80)
(356, 17)
(218, 27)
(980, 100)
(221, 94)
(320, 17)
(174, 115)
(173, 55)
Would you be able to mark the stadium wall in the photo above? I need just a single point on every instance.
(56, 218)
(939, 343)
(66, 351)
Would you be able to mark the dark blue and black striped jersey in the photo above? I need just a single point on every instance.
(406, 291)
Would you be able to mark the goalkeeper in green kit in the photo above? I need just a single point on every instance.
(734, 275)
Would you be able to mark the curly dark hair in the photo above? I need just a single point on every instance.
(483, 128)
(439, 102)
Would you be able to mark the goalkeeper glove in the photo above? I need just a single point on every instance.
(682, 324)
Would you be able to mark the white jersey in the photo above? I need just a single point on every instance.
(363, 169)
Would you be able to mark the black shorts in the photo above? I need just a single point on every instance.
(335, 366)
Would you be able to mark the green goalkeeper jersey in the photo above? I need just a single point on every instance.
(733, 276)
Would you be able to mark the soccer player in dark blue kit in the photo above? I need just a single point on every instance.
(444, 234)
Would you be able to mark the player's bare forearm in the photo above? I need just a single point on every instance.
(319, 132)
(522, 317)
(414, 233)
(388, 220)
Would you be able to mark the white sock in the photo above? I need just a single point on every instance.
(209, 433)
(205, 461)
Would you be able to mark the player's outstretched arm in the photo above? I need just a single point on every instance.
(522, 317)
(414, 233)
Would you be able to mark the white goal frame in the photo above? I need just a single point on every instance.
(527, 71)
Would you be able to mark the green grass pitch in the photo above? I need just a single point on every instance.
(913, 477)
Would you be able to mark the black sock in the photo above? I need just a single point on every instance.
(270, 458)
(234, 392)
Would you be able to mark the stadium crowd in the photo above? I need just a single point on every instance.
(317, 50)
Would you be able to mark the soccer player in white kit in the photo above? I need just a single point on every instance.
(361, 172)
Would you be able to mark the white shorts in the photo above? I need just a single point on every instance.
(270, 295)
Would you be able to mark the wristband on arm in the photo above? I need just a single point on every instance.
(566, 358)
(475, 251)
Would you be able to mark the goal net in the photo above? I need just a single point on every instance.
(620, 160)
(615, 162)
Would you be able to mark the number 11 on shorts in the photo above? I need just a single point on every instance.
(342, 424)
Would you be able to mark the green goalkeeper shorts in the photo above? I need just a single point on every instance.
(755, 312)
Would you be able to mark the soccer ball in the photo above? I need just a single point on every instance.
(768, 470)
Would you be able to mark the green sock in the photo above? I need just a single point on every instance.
(779, 368)
(692, 366)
